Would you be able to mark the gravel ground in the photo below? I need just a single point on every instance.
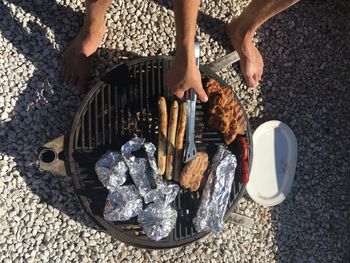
(306, 84)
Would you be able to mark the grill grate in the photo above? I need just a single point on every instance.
(129, 95)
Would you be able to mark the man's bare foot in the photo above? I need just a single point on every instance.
(76, 63)
(251, 60)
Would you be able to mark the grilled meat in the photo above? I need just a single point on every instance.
(192, 174)
(225, 113)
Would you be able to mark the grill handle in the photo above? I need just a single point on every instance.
(223, 62)
(51, 157)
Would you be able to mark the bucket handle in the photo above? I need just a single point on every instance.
(223, 62)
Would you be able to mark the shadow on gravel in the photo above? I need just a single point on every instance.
(43, 111)
(307, 85)
(208, 24)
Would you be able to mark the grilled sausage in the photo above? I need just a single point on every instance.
(179, 144)
(174, 111)
(244, 172)
(242, 147)
(162, 134)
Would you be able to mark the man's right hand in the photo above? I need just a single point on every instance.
(184, 75)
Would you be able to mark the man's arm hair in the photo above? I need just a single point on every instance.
(186, 12)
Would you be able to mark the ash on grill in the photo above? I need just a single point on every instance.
(133, 125)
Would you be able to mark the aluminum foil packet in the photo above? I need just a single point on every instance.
(159, 218)
(144, 172)
(111, 170)
(211, 211)
(123, 203)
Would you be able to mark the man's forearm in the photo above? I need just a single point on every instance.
(186, 12)
(183, 73)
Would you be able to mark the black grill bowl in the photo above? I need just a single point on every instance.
(129, 94)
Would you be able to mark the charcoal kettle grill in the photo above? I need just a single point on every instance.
(117, 107)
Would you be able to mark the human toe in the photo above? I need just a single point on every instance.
(251, 82)
(257, 78)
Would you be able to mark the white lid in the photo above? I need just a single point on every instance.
(274, 162)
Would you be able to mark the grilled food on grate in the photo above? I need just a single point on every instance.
(172, 124)
(179, 144)
(162, 136)
(192, 174)
(225, 113)
(102, 122)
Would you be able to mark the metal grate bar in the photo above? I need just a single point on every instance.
(210, 140)
(89, 124)
(128, 105)
(178, 226)
(209, 132)
(153, 82)
(164, 71)
(191, 230)
(116, 107)
(121, 115)
(141, 94)
(134, 87)
(102, 95)
(109, 114)
(96, 118)
(161, 80)
(147, 95)
(82, 133)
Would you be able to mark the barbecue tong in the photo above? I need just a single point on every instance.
(191, 98)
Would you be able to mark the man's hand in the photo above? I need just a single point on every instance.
(185, 75)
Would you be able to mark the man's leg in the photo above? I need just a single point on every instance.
(241, 30)
(76, 62)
